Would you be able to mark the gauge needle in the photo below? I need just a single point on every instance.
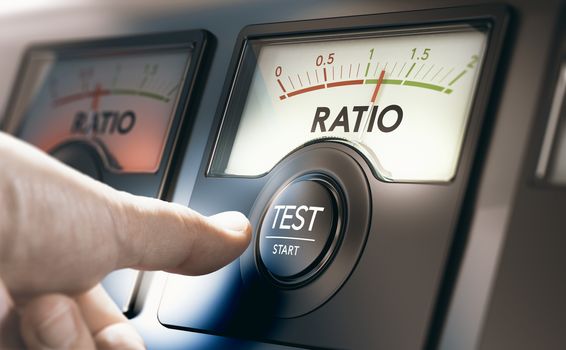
(96, 97)
(377, 86)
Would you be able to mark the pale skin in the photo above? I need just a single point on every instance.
(61, 232)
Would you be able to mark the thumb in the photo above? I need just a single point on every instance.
(54, 322)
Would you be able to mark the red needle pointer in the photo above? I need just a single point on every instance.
(377, 86)
(96, 97)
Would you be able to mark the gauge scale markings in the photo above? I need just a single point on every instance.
(371, 81)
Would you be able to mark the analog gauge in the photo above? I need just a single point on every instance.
(402, 98)
(121, 105)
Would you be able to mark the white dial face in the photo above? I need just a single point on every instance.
(122, 104)
(403, 99)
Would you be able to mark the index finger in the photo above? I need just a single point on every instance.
(166, 236)
(62, 231)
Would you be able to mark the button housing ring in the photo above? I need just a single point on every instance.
(347, 170)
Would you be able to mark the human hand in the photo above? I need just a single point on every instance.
(61, 232)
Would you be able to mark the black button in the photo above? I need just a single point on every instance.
(298, 228)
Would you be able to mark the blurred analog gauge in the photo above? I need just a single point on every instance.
(120, 104)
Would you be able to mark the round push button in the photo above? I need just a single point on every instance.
(298, 229)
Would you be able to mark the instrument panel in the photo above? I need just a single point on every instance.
(378, 153)
(326, 132)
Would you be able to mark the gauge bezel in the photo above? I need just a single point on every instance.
(555, 110)
(243, 66)
(193, 41)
